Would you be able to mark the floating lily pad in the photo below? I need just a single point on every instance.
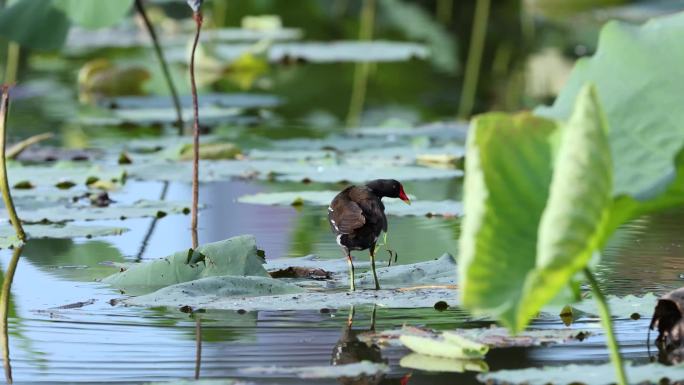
(440, 364)
(363, 368)
(323, 198)
(234, 256)
(8, 237)
(585, 374)
(143, 208)
(339, 265)
(159, 116)
(458, 347)
(41, 176)
(236, 100)
(319, 52)
(282, 171)
(441, 130)
(621, 307)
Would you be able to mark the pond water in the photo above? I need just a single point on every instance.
(67, 327)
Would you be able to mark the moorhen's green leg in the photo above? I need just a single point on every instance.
(375, 274)
(352, 286)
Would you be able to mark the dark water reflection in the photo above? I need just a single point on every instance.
(96, 342)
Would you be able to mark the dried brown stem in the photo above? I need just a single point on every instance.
(197, 16)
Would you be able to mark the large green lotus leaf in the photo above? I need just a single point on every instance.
(430, 363)
(566, 209)
(139, 209)
(34, 23)
(585, 374)
(94, 13)
(323, 198)
(233, 256)
(9, 239)
(638, 74)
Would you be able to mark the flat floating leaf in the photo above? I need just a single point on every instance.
(441, 347)
(8, 237)
(234, 256)
(363, 368)
(585, 374)
(94, 13)
(235, 100)
(158, 116)
(430, 363)
(36, 24)
(323, 198)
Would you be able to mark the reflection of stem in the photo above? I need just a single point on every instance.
(12, 63)
(4, 183)
(444, 10)
(4, 312)
(198, 345)
(164, 66)
(153, 224)
(472, 72)
(607, 322)
(361, 70)
(195, 131)
(350, 317)
(372, 325)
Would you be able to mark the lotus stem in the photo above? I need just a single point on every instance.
(4, 312)
(474, 61)
(607, 323)
(198, 346)
(197, 16)
(164, 66)
(4, 182)
(361, 70)
(14, 151)
(12, 68)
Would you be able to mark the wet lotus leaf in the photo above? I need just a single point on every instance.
(35, 24)
(430, 363)
(50, 176)
(493, 337)
(621, 307)
(358, 369)
(439, 271)
(456, 131)
(584, 374)
(154, 116)
(236, 100)
(223, 381)
(457, 347)
(314, 262)
(335, 143)
(139, 209)
(214, 151)
(319, 52)
(289, 155)
(323, 198)
(281, 171)
(8, 237)
(314, 300)
(234, 256)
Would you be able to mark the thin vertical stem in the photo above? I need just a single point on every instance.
(4, 313)
(472, 72)
(198, 346)
(4, 182)
(153, 225)
(361, 70)
(12, 68)
(197, 16)
(607, 323)
(164, 66)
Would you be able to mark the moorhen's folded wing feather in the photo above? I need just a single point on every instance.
(346, 216)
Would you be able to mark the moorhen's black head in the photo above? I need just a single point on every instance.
(388, 188)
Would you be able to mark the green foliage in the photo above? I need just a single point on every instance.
(35, 24)
(94, 14)
(542, 196)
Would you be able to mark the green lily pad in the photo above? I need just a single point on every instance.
(63, 172)
(358, 369)
(158, 116)
(223, 100)
(140, 209)
(456, 131)
(430, 363)
(94, 13)
(323, 198)
(585, 374)
(453, 347)
(224, 150)
(234, 256)
(318, 52)
(36, 24)
(621, 307)
(8, 237)
(281, 171)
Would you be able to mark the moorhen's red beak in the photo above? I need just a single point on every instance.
(403, 196)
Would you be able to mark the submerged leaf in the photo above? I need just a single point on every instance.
(8, 237)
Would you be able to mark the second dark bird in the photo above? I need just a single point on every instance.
(357, 218)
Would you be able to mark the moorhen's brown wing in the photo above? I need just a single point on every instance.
(344, 214)
(372, 208)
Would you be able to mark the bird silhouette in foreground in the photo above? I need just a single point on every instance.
(357, 218)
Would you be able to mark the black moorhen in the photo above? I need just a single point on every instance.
(357, 217)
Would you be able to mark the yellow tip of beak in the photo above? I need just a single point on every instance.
(408, 202)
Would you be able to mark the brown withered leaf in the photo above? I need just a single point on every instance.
(301, 272)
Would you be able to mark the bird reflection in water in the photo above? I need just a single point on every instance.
(349, 350)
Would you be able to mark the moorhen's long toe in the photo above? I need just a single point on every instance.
(357, 218)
